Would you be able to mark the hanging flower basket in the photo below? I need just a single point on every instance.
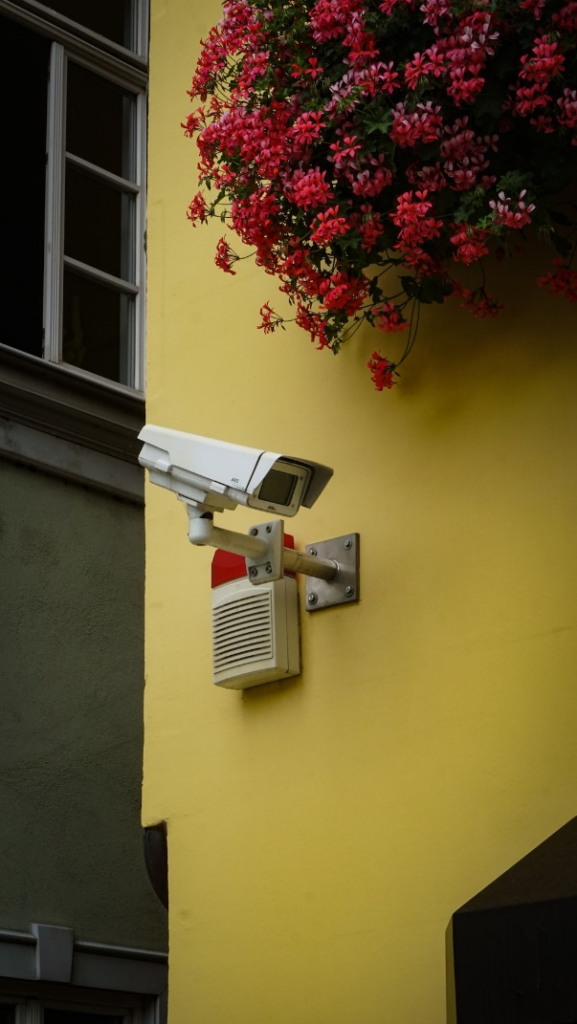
(366, 149)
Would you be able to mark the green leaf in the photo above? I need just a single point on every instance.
(428, 290)
(376, 116)
(469, 205)
(514, 182)
(560, 218)
(409, 285)
(562, 245)
(379, 122)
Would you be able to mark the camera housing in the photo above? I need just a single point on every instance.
(218, 475)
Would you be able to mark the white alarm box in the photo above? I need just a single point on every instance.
(255, 632)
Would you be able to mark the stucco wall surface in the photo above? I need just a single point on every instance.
(323, 831)
(71, 671)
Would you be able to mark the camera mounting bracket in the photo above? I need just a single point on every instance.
(331, 566)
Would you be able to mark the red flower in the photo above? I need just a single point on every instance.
(314, 71)
(381, 372)
(270, 320)
(561, 281)
(512, 218)
(197, 210)
(469, 243)
(329, 225)
(225, 256)
(338, 155)
(389, 318)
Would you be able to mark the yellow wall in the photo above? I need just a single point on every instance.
(322, 831)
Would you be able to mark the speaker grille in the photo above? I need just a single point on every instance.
(242, 631)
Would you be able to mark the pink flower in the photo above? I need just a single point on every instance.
(512, 218)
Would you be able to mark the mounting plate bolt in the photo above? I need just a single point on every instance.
(253, 531)
(312, 551)
(312, 599)
(268, 568)
(349, 591)
(268, 527)
(348, 544)
(253, 571)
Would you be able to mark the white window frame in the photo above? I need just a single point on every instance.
(127, 69)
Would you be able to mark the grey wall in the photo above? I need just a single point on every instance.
(71, 681)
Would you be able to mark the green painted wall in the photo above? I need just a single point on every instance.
(71, 681)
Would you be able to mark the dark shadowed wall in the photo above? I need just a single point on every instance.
(71, 684)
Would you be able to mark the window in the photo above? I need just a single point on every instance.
(72, 232)
(47, 976)
(112, 19)
(49, 1011)
(52, 1016)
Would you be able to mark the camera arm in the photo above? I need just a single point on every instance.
(261, 552)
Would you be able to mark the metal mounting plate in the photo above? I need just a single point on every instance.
(344, 589)
(267, 567)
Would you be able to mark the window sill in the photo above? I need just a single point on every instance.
(55, 399)
(78, 412)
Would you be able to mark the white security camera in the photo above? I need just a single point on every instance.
(216, 475)
(210, 476)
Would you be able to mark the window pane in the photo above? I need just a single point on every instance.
(98, 224)
(110, 18)
(24, 60)
(73, 1017)
(98, 328)
(7, 1014)
(99, 120)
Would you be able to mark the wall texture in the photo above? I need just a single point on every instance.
(71, 583)
(323, 831)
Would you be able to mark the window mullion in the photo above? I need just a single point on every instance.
(118, 284)
(140, 261)
(29, 1012)
(54, 222)
(140, 16)
(83, 45)
(107, 177)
